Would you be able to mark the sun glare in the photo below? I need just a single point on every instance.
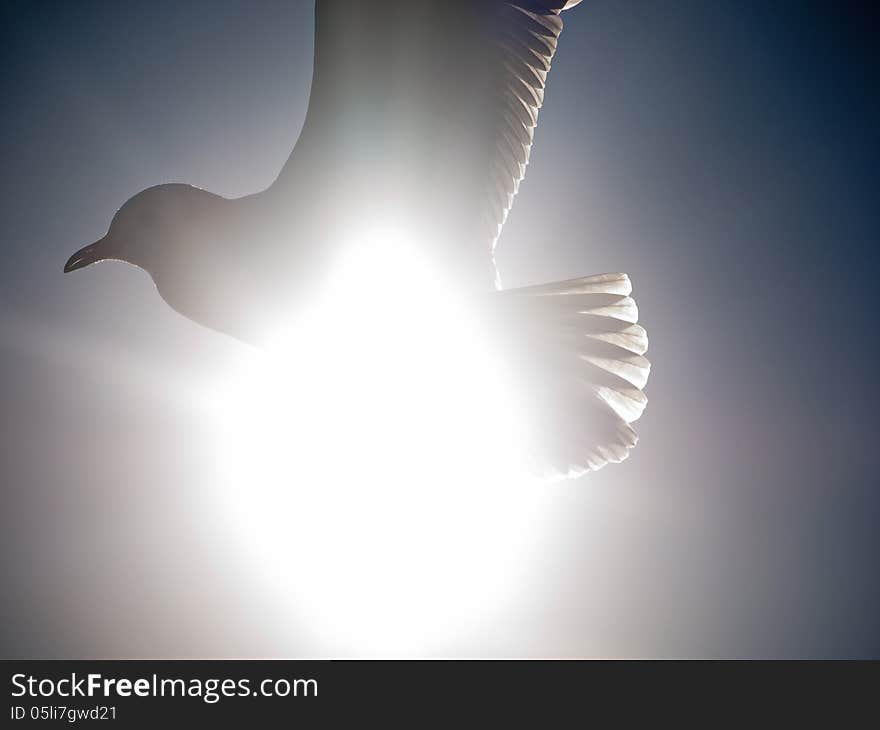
(370, 460)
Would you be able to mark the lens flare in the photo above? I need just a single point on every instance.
(370, 459)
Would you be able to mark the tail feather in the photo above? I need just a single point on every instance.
(632, 338)
(598, 284)
(581, 353)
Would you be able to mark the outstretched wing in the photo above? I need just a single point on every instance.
(525, 42)
(425, 110)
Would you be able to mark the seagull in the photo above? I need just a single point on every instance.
(421, 112)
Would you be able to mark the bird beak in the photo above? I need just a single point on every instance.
(86, 255)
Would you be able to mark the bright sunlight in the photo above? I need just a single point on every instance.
(371, 460)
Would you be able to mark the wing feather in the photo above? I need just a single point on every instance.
(525, 44)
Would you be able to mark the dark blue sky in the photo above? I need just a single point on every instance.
(724, 154)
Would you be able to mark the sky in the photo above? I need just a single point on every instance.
(724, 154)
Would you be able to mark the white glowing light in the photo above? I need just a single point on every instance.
(370, 461)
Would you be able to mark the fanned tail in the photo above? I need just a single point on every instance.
(579, 353)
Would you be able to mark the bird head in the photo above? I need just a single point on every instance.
(150, 225)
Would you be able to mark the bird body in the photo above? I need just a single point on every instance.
(420, 124)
